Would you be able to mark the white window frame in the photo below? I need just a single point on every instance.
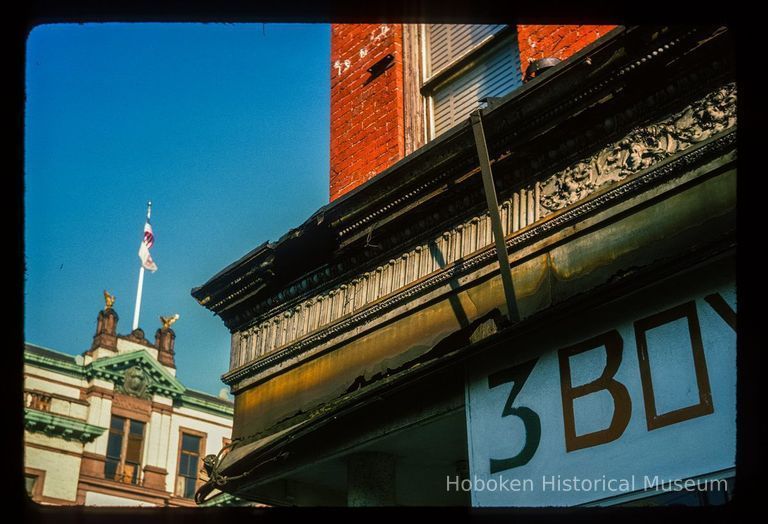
(429, 83)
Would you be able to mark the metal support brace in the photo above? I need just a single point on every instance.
(493, 208)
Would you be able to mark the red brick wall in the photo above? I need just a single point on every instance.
(558, 41)
(366, 119)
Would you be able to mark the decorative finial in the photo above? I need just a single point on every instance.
(167, 321)
(108, 300)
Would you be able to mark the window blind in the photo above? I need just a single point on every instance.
(493, 74)
(447, 42)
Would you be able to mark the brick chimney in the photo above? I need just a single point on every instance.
(106, 330)
(164, 342)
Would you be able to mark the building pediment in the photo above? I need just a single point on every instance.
(136, 374)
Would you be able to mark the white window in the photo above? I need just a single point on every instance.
(125, 445)
(464, 64)
(190, 455)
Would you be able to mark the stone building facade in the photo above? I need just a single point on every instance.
(114, 426)
(524, 279)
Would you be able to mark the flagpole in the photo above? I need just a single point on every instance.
(138, 299)
(141, 283)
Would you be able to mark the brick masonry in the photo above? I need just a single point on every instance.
(555, 41)
(367, 117)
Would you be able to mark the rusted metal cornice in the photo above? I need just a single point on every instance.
(276, 272)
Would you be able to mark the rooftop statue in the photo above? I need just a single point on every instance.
(108, 300)
(167, 321)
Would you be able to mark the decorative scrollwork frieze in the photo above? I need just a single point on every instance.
(642, 148)
(472, 263)
(326, 314)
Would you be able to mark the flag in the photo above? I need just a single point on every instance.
(146, 243)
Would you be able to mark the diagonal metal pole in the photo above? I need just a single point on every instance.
(493, 208)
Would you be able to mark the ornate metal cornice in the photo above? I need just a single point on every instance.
(238, 279)
(55, 425)
(642, 148)
(639, 149)
(667, 147)
(542, 155)
(529, 108)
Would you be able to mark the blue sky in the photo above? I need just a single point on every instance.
(224, 127)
